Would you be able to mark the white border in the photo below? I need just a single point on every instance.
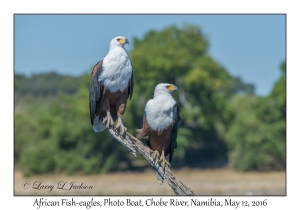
(8, 8)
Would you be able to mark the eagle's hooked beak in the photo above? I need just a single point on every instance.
(126, 41)
(171, 87)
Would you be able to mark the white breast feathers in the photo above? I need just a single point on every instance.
(117, 70)
(159, 112)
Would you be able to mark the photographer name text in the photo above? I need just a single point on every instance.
(61, 185)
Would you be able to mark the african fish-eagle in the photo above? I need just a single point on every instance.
(160, 123)
(110, 86)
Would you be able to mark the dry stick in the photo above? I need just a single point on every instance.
(133, 144)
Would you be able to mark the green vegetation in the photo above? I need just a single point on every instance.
(224, 122)
(257, 134)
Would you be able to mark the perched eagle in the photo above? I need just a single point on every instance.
(110, 87)
(160, 123)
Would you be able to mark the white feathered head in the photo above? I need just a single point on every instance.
(164, 88)
(119, 41)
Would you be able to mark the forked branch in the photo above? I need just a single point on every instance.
(133, 144)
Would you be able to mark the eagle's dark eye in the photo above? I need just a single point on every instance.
(118, 39)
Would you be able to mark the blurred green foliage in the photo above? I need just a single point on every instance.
(224, 123)
(257, 134)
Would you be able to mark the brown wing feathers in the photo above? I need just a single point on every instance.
(95, 89)
(176, 120)
(130, 85)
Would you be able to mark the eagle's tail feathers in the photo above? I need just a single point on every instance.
(98, 125)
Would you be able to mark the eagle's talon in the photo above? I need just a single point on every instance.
(108, 121)
(163, 160)
(155, 154)
(120, 127)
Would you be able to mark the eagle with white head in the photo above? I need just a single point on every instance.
(110, 87)
(160, 123)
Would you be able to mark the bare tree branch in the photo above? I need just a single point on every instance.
(133, 144)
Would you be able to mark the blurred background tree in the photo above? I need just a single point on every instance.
(257, 133)
(224, 122)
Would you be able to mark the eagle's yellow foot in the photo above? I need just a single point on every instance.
(120, 127)
(108, 120)
(163, 160)
(155, 154)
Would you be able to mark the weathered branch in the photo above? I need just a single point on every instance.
(133, 144)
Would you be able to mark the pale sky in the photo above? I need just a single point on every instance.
(249, 46)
